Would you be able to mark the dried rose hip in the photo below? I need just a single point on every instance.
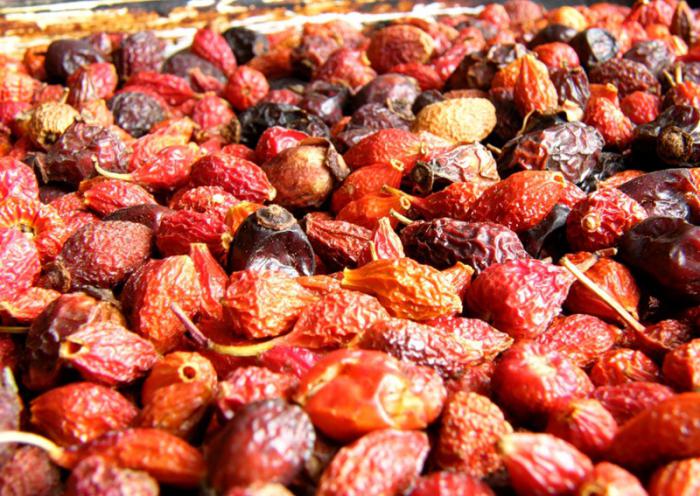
(72, 158)
(267, 441)
(362, 467)
(176, 368)
(447, 483)
(681, 367)
(584, 423)
(624, 365)
(108, 353)
(30, 471)
(519, 297)
(405, 288)
(138, 52)
(351, 392)
(246, 87)
(541, 464)
(97, 475)
(681, 477)
(271, 239)
(529, 381)
(149, 293)
(444, 242)
(240, 177)
(104, 254)
(63, 317)
(470, 428)
(251, 384)
(615, 279)
(305, 175)
(178, 408)
(21, 265)
(607, 479)
(399, 44)
(676, 432)
(80, 412)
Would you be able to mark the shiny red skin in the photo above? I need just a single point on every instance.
(624, 365)
(529, 382)
(520, 297)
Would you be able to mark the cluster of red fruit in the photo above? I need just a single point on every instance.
(450, 257)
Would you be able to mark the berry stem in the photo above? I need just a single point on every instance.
(244, 350)
(14, 329)
(400, 217)
(602, 294)
(55, 452)
(112, 175)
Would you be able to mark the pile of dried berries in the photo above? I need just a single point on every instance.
(458, 257)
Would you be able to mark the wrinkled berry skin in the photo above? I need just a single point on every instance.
(95, 475)
(272, 239)
(245, 43)
(72, 158)
(594, 46)
(139, 52)
(571, 148)
(666, 193)
(444, 242)
(64, 57)
(255, 120)
(103, 254)
(668, 251)
(267, 441)
(185, 63)
(136, 113)
(393, 90)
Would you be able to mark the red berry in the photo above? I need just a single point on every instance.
(246, 87)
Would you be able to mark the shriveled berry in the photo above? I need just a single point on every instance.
(72, 158)
(385, 461)
(681, 366)
(641, 107)
(626, 400)
(608, 479)
(681, 478)
(269, 440)
(245, 88)
(447, 483)
(136, 112)
(626, 75)
(600, 220)
(96, 475)
(80, 412)
(624, 365)
(530, 381)
(64, 57)
(520, 201)
(108, 353)
(104, 254)
(149, 293)
(142, 51)
(519, 297)
(582, 338)
(470, 429)
(399, 44)
(542, 464)
(584, 423)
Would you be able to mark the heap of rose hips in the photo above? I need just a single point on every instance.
(423, 258)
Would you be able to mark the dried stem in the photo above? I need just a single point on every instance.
(14, 329)
(111, 175)
(244, 350)
(400, 217)
(54, 451)
(602, 294)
